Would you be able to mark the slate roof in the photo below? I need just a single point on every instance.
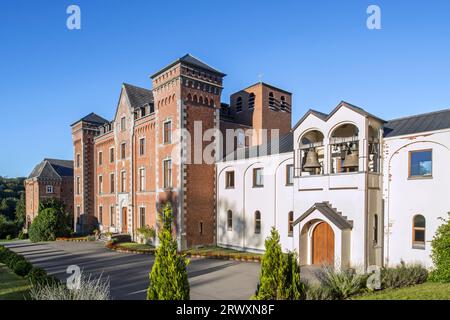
(286, 144)
(331, 213)
(52, 169)
(325, 116)
(431, 121)
(192, 61)
(138, 96)
(93, 119)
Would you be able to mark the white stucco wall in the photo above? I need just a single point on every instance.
(405, 198)
(274, 201)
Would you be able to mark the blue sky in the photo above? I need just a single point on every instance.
(321, 51)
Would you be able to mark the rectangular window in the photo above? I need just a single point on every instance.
(49, 189)
(420, 164)
(142, 179)
(142, 216)
(78, 212)
(78, 187)
(111, 183)
(200, 227)
(123, 125)
(167, 168)
(290, 224)
(100, 184)
(257, 222)
(123, 181)
(100, 158)
(78, 160)
(111, 155)
(167, 134)
(258, 179)
(100, 214)
(229, 220)
(122, 150)
(141, 146)
(112, 215)
(229, 177)
(289, 174)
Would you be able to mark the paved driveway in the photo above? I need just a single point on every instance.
(128, 273)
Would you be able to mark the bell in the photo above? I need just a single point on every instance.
(312, 160)
(351, 160)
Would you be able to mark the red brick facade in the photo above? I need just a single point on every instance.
(144, 138)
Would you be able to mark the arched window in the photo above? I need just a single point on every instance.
(189, 97)
(419, 231)
(200, 100)
(290, 223)
(195, 98)
(206, 102)
(251, 101)
(271, 101)
(229, 220)
(257, 222)
(239, 104)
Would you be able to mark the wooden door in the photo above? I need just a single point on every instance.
(124, 220)
(323, 244)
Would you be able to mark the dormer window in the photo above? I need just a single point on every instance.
(49, 189)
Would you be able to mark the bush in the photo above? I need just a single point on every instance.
(403, 275)
(168, 278)
(317, 292)
(7, 227)
(89, 289)
(17, 263)
(8, 237)
(341, 284)
(440, 253)
(48, 225)
(280, 273)
(22, 267)
(22, 235)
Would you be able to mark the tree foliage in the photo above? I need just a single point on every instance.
(440, 253)
(168, 277)
(48, 225)
(280, 273)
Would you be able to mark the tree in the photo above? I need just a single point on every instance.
(168, 278)
(440, 253)
(20, 212)
(8, 207)
(7, 227)
(48, 225)
(280, 273)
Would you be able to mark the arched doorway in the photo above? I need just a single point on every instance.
(323, 244)
(124, 220)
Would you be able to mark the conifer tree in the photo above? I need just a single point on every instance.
(168, 278)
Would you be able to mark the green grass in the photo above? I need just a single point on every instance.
(219, 251)
(424, 291)
(136, 246)
(12, 287)
(4, 240)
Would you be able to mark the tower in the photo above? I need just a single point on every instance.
(83, 133)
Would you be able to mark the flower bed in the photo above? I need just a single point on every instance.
(130, 247)
(75, 239)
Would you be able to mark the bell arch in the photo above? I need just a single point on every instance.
(311, 153)
(344, 148)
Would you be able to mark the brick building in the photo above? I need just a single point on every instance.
(127, 167)
(51, 178)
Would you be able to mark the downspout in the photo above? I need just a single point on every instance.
(366, 195)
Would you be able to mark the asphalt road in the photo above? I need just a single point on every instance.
(128, 273)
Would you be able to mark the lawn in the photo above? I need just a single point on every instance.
(136, 246)
(12, 287)
(425, 291)
(214, 250)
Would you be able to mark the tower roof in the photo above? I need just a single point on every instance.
(92, 118)
(192, 61)
(52, 169)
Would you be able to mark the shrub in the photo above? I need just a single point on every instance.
(317, 292)
(21, 267)
(440, 253)
(22, 235)
(280, 273)
(17, 263)
(37, 276)
(7, 227)
(8, 237)
(90, 289)
(49, 224)
(403, 275)
(168, 278)
(147, 233)
(340, 283)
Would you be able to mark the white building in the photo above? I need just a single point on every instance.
(345, 188)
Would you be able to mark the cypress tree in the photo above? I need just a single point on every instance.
(168, 278)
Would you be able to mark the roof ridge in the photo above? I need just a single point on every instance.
(134, 86)
(419, 115)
